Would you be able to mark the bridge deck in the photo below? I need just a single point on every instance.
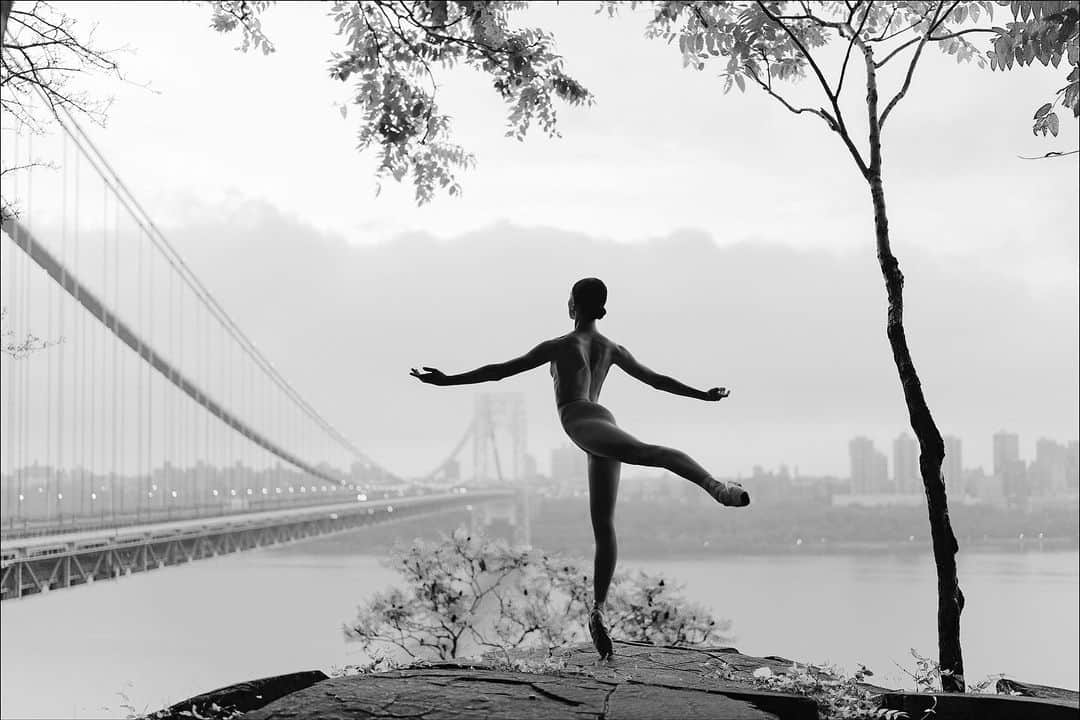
(38, 564)
(236, 519)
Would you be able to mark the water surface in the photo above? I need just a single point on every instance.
(173, 633)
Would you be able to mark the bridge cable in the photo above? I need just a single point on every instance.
(142, 218)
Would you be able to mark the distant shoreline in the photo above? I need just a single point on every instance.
(1011, 546)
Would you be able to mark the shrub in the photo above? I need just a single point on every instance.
(467, 594)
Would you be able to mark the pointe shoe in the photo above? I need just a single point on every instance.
(730, 494)
(601, 639)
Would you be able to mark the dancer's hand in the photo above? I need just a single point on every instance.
(431, 376)
(717, 393)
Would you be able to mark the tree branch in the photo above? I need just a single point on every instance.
(851, 44)
(767, 87)
(914, 61)
(1051, 154)
(838, 124)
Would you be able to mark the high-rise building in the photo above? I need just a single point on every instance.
(869, 467)
(568, 465)
(1006, 451)
(1049, 471)
(879, 481)
(952, 469)
(529, 466)
(905, 464)
(1009, 468)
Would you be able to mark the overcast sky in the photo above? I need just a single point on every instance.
(736, 238)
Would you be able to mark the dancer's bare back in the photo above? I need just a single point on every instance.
(579, 365)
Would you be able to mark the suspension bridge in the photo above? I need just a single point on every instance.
(141, 427)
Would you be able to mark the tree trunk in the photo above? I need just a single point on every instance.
(931, 454)
(5, 10)
(931, 446)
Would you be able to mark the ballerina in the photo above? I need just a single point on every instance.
(579, 363)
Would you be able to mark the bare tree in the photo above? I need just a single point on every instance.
(468, 593)
(47, 50)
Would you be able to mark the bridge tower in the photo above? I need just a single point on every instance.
(499, 433)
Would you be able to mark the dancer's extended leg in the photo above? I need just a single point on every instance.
(603, 490)
(593, 430)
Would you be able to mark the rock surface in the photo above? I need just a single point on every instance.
(1015, 687)
(975, 706)
(243, 696)
(642, 682)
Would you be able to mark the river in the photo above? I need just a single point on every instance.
(165, 635)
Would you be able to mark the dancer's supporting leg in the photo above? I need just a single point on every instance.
(603, 491)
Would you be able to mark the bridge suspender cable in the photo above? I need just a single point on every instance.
(113, 181)
(25, 240)
(453, 453)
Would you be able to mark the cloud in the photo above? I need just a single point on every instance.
(798, 334)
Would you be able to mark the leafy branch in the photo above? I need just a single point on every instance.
(394, 51)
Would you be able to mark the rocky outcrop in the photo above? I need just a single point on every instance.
(642, 682)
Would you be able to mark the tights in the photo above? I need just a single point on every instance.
(592, 428)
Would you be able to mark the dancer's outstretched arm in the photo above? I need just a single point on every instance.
(542, 353)
(627, 362)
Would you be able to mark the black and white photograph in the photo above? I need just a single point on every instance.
(576, 359)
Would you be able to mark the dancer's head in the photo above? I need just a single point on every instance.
(587, 299)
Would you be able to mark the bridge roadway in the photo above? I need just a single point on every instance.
(32, 565)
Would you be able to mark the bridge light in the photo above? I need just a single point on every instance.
(153, 487)
(361, 497)
(93, 496)
(20, 497)
(324, 488)
(232, 492)
(59, 496)
(277, 491)
(41, 490)
(389, 508)
(303, 489)
(174, 493)
(371, 511)
(149, 493)
(290, 488)
(215, 493)
(249, 491)
(264, 491)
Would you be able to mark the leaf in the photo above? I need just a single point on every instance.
(1042, 111)
(741, 82)
(1052, 121)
